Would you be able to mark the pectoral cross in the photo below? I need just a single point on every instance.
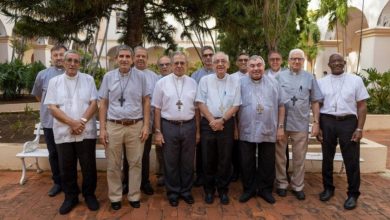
(294, 99)
(179, 104)
(121, 100)
(259, 108)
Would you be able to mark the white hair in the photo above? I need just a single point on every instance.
(296, 50)
(225, 56)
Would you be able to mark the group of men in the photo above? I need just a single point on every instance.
(220, 125)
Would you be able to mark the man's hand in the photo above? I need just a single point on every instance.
(357, 135)
(144, 133)
(319, 136)
(103, 137)
(315, 129)
(197, 137)
(159, 139)
(217, 124)
(77, 127)
(280, 134)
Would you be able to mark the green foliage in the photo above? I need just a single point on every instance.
(194, 67)
(16, 76)
(97, 73)
(378, 86)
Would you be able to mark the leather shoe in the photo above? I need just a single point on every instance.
(173, 202)
(300, 195)
(189, 199)
(54, 190)
(245, 197)
(267, 196)
(92, 202)
(281, 192)
(160, 181)
(135, 204)
(125, 189)
(209, 198)
(326, 195)
(147, 189)
(224, 199)
(116, 205)
(350, 203)
(68, 205)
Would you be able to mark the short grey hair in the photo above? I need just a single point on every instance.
(225, 56)
(159, 59)
(123, 47)
(178, 53)
(256, 57)
(296, 50)
(66, 54)
(140, 48)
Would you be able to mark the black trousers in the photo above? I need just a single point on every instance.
(68, 154)
(257, 174)
(217, 156)
(198, 160)
(145, 163)
(53, 155)
(179, 154)
(341, 131)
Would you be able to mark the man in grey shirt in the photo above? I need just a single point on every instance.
(124, 120)
(39, 91)
(261, 118)
(302, 91)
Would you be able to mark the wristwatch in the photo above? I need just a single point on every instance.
(157, 130)
(281, 126)
(84, 120)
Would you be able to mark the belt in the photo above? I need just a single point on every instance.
(126, 122)
(339, 118)
(176, 122)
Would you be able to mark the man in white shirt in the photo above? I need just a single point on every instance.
(71, 99)
(176, 129)
(218, 99)
(343, 114)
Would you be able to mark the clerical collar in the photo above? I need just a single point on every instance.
(338, 76)
(59, 69)
(294, 73)
(178, 77)
(124, 74)
(72, 77)
(256, 81)
(223, 79)
(274, 73)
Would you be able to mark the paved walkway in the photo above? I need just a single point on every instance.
(20, 107)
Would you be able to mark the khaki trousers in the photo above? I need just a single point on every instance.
(117, 136)
(299, 141)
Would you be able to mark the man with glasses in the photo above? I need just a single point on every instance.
(164, 67)
(207, 53)
(72, 100)
(218, 99)
(241, 63)
(302, 91)
(124, 120)
(39, 91)
(176, 129)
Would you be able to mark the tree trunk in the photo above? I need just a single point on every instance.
(135, 22)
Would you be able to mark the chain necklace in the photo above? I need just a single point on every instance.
(179, 103)
(336, 91)
(121, 99)
(221, 99)
(258, 98)
(68, 90)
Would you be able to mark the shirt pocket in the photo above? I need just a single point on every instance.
(268, 120)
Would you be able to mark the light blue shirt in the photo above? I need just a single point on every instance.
(197, 75)
(254, 126)
(136, 89)
(40, 88)
(300, 89)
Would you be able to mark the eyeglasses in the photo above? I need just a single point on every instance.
(220, 61)
(75, 61)
(179, 63)
(164, 64)
(296, 59)
(274, 59)
(242, 60)
(207, 55)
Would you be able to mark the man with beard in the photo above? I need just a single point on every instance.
(39, 91)
(343, 113)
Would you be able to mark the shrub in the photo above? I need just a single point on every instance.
(378, 86)
(12, 78)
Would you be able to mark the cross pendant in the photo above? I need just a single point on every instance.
(121, 100)
(294, 99)
(179, 104)
(259, 108)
